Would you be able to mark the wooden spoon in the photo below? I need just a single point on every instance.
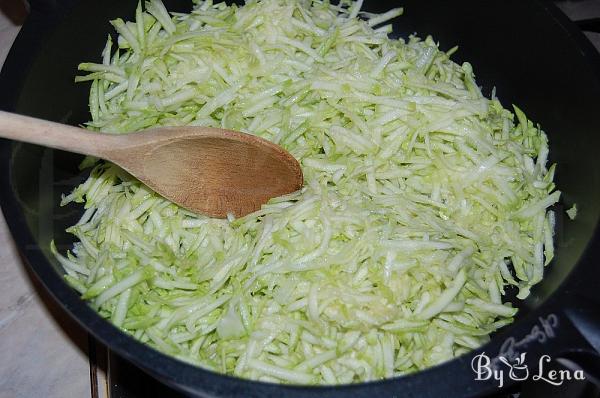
(206, 170)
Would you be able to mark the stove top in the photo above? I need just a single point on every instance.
(113, 377)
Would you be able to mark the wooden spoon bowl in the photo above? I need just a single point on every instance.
(206, 170)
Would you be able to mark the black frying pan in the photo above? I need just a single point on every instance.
(526, 49)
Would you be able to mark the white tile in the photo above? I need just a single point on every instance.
(580, 9)
(9, 26)
(594, 38)
(43, 350)
(7, 36)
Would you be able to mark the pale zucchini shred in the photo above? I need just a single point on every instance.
(392, 258)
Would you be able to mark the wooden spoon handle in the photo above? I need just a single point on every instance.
(55, 135)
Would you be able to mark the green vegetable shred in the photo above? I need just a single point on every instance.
(424, 201)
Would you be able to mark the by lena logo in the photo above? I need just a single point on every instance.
(510, 364)
(518, 371)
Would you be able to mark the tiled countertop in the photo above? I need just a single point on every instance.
(44, 352)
